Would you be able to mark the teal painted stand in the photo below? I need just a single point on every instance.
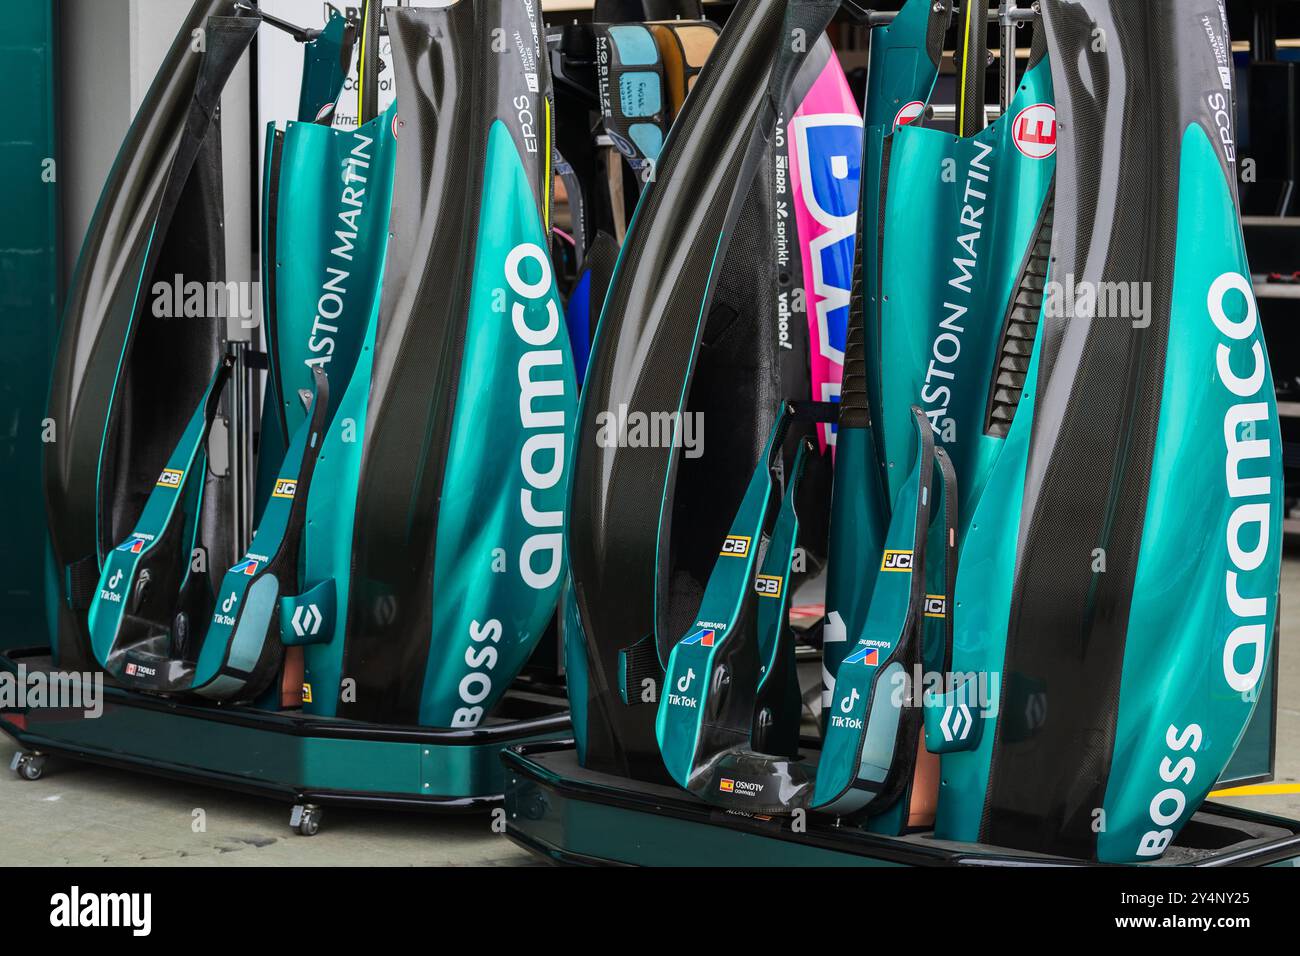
(567, 814)
(309, 761)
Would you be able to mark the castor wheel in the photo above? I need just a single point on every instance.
(29, 766)
(306, 819)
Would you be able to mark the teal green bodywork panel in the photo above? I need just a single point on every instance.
(779, 700)
(324, 74)
(174, 500)
(944, 302)
(332, 239)
(30, 283)
(857, 537)
(982, 607)
(900, 73)
(1201, 623)
(323, 70)
(1254, 756)
(858, 742)
(570, 826)
(773, 615)
(681, 724)
(575, 666)
(327, 538)
(274, 754)
(248, 604)
(647, 839)
(335, 193)
(499, 548)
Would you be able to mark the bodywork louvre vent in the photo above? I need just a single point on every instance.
(1019, 329)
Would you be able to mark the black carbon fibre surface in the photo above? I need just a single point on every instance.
(369, 66)
(1037, 44)
(270, 243)
(1019, 330)
(645, 357)
(937, 30)
(135, 417)
(1123, 110)
(451, 87)
(971, 63)
(736, 388)
(854, 409)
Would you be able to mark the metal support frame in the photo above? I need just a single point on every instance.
(1009, 15)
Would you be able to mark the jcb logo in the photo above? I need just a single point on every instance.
(284, 488)
(936, 605)
(768, 585)
(736, 546)
(170, 478)
(896, 561)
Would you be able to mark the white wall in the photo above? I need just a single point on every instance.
(111, 50)
(95, 107)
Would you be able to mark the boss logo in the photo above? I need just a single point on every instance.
(896, 561)
(736, 546)
(936, 605)
(769, 585)
(170, 478)
(284, 488)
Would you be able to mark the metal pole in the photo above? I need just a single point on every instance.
(1007, 68)
(1263, 47)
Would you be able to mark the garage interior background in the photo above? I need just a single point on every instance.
(78, 69)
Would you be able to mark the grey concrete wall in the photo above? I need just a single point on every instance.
(95, 105)
(111, 50)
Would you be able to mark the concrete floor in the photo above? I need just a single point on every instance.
(91, 816)
(84, 815)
